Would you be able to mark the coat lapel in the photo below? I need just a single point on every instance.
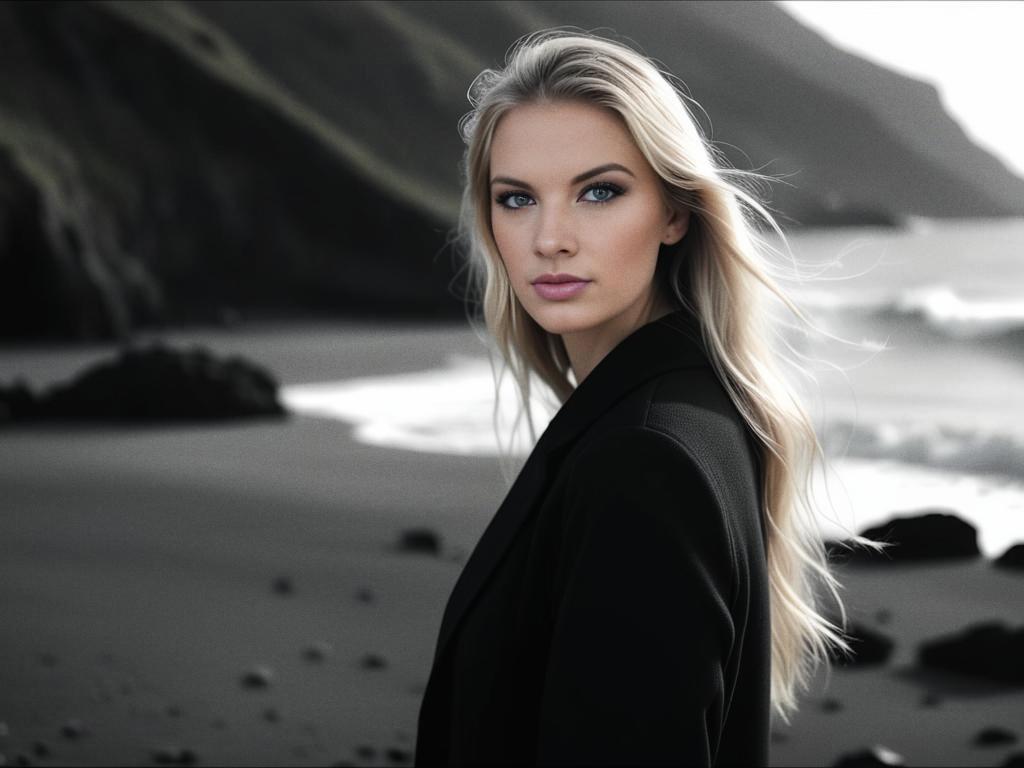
(672, 342)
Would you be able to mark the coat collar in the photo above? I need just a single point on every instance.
(670, 343)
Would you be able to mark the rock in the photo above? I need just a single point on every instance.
(47, 659)
(420, 540)
(994, 737)
(869, 647)
(936, 535)
(156, 383)
(17, 402)
(989, 649)
(173, 710)
(317, 652)
(364, 595)
(931, 699)
(174, 755)
(373, 661)
(283, 585)
(74, 729)
(271, 715)
(1014, 760)
(1012, 559)
(365, 752)
(22, 759)
(258, 677)
(398, 755)
(883, 616)
(40, 749)
(867, 758)
(831, 705)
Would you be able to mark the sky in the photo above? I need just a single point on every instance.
(971, 51)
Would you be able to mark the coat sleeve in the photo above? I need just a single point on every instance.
(642, 629)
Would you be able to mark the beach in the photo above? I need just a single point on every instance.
(236, 593)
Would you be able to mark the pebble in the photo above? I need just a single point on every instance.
(420, 540)
(40, 749)
(258, 677)
(994, 736)
(48, 659)
(174, 756)
(373, 661)
(318, 651)
(283, 585)
(831, 705)
(931, 699)
(364, 595)
(365, 752)
(174, 710)
(73, 729)
(883, 615)
(398, 755)
(271, 715)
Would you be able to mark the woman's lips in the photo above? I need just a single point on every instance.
(559, 291)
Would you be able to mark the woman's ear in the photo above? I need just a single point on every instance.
(676, 227)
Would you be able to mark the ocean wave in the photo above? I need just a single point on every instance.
(935, 445)
(938, 307)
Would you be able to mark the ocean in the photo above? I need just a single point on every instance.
(924, 411)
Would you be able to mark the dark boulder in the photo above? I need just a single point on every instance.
(931, 535)
(1012, 559)
(155, 383)
(870, 647)
(990, 650)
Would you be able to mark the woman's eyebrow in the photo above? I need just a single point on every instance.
(576, 179)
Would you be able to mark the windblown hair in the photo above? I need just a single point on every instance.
(718, 272)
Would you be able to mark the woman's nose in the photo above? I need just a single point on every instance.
(556, 235)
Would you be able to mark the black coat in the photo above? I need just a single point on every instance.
(615, 610)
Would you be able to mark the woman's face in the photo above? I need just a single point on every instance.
(558, 206)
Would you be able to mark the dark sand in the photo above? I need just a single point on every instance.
(137, 569)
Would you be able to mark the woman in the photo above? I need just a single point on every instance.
(645, 593)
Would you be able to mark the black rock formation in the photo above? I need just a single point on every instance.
(929, 535)
(991, 650)
(1012, 559)
(153, 384)
(870, 647)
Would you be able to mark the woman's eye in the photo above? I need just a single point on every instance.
(503, 199)
(604, 192)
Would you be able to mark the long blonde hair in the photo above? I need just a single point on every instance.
(718, 271)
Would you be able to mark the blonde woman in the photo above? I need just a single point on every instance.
(645, 593)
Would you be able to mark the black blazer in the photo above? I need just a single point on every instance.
(615, 610)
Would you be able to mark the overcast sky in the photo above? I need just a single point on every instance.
(972, 52)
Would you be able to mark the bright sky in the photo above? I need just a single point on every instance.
(971, 51)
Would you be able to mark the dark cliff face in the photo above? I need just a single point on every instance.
(174, 162)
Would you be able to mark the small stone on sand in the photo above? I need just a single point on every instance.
(994, 736)
(398, 755)
(318, 651)
(420, 540)
(283, 585)
(73, 729)
(373, 661)
(258, 677)
(173, 756)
